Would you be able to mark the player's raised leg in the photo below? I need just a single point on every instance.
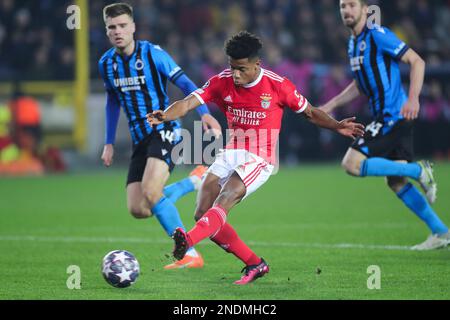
(354, 163)
(205, 198)
(189, 184)
(211, 223)
(208, 222)
(152, 200)
(357, 164)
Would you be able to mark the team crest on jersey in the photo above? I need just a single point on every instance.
(265, 100)
(139, 65)
(362, 46)
(206, 85)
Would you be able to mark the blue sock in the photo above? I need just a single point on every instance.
(169, 218)
(380, 167)
(167, 215)
(415, 201)
(178, 189)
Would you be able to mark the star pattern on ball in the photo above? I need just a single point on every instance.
(121, 256)
(106, 269)
(125, 275)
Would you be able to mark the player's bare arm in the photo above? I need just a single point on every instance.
(107, 154)
(347, 95)
(176, 110)
(411, 108)
(211, 124)
(347, 127)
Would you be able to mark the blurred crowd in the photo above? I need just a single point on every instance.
(304, 40)
(34, 42)
(21, 149)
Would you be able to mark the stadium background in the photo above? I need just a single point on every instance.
(304, 40)
(53, 221)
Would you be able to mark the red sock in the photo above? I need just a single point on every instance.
(209, 224)
(228, 239)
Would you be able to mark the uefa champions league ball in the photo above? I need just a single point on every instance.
(120, 268)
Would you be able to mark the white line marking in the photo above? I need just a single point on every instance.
(167, 241)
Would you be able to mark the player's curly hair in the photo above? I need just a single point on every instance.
(243, 45)
(117, 9)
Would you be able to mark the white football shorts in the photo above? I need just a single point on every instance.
(253, 170)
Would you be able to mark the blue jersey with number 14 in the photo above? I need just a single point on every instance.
(139, 84)
(374, 58)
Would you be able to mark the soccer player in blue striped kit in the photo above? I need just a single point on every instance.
(135, 75)
(387, 148)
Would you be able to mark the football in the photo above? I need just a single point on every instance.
(120, 268)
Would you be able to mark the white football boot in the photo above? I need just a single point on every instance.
(427, 181)
(434, 241)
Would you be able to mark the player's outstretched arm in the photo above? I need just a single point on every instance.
(176, 110)
(347, 127)
(347, 95)
(209, 122)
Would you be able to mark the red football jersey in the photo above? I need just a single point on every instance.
(254, 111)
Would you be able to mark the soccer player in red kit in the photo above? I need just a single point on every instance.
(253, 100)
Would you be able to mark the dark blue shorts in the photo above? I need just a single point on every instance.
(396, 144)
(156, 145)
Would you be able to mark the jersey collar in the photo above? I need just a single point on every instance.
(254, 83)
(128, 58)
(362, 34)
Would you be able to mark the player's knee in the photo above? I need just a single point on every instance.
(396, 184)
(138, 212)
(152, 196)
(351, 167)
(229, 198)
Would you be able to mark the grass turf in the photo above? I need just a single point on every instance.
(304, 219)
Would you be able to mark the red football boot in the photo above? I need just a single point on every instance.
(253, 272)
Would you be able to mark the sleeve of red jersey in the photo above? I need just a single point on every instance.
(209, 92)
(291, 98)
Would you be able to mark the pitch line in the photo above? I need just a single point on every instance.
(59, 239)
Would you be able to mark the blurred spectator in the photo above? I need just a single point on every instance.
(334, 82)
(298, 72)
(8, 150)
(26, 123)
(5, 120)
(435, 106)
(20, 154)
(32, 34)
(434, 122)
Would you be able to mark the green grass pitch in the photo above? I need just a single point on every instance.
(304, 219)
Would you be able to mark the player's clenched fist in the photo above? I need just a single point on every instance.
(156, 117)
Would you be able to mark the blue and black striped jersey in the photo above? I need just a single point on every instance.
(374, 55)
(139, 82)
